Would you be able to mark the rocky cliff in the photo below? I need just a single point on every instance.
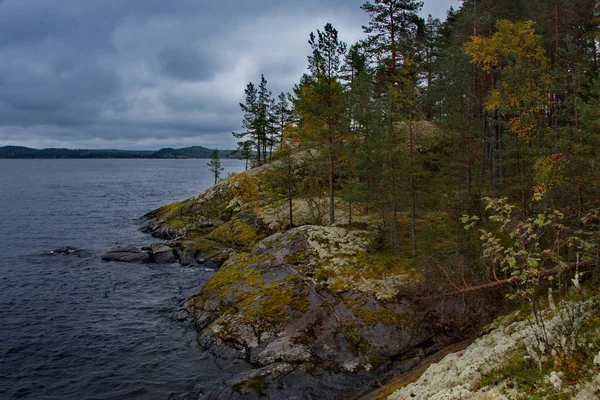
(311, 301)
(317, 312)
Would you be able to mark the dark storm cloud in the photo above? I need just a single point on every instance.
(150, 73)
(70, 97)
(187, 63)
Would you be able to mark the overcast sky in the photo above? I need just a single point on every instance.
(146, 74)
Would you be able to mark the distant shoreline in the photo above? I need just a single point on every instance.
(194, 152)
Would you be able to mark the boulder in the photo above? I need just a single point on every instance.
(291, 300)
(179, 315)
(189, 257)
(162, 254)
(128, 254)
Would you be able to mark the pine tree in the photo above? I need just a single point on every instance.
(258, 118)
(245, 150)
(215, 165)
(429, 49)
(409, 113)
(281, 115)
(249, 122)
(282, 183)
(321, 102)
(391, 23)
(263, 122)
(363, 148)
(393, 29)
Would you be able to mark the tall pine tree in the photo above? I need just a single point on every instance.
(321, 101)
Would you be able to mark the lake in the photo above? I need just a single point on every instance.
(72, 325)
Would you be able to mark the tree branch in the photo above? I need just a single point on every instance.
(515, 279)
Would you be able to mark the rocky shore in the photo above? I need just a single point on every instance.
(299, 312)
(303, 312)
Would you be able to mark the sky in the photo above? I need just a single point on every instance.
(147, 74)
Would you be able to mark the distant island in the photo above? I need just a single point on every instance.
(183, 153)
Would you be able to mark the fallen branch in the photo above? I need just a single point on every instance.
(515, 279)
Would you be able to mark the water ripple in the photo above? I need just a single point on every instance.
(73, 326)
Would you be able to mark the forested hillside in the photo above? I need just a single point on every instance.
(436, 126)
(455, 166)
(473, 145)
(186, 152)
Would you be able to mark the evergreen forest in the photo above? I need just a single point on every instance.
(473, 137)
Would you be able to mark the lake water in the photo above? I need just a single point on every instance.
(71, 325)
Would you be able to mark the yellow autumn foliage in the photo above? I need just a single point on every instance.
(516, 54)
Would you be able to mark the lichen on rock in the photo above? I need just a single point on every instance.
(459, 375)
(270, 306)
(329, 242)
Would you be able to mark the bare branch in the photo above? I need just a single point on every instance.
(516, 279)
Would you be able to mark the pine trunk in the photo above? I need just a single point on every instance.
(258, 152)
(413, 235)
(291, 209)
(331, 191)
(394, 224)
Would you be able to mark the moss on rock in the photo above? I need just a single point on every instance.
(239, 270)
(381, 315)
(235, 232)
(280, 302)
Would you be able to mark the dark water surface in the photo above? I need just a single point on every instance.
(72, 326)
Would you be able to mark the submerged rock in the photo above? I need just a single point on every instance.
(69, 251)
(63, 250)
